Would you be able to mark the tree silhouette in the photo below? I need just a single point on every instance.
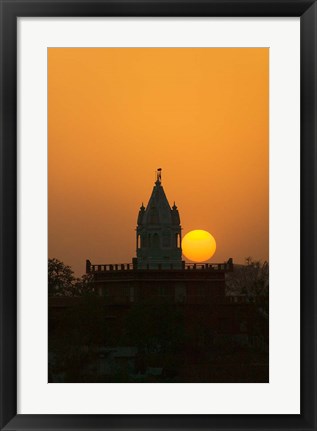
(252, 282)
(61, 280)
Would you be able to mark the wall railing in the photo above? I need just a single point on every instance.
(217, 267)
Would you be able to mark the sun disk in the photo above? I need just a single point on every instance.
(198, 245)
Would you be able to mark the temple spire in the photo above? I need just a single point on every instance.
(158, 232)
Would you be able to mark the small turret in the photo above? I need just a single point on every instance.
(141, 214)
(175, 215)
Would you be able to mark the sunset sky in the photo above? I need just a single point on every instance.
(115, 115)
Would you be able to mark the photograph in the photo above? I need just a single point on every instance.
(158, 215)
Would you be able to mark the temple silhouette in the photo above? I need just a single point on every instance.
(158, 269)
(158, 318)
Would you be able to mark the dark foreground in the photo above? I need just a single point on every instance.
(93, 341)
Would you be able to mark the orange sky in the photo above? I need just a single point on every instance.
(117, 114)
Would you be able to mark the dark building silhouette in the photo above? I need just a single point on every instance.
(158, 270)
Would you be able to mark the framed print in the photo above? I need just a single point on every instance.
(158, 215)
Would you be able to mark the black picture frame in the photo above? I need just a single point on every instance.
(10, 11)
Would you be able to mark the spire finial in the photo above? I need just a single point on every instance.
(158, 175)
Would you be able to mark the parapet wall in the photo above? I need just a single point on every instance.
(212, 267)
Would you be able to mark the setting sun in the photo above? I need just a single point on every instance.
(198, 245)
